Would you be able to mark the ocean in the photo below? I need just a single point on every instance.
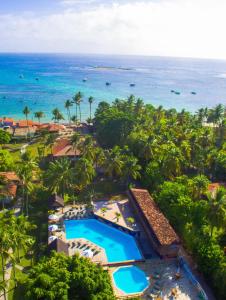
(45, 81)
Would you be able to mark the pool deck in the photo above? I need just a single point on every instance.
(112, 207)
(166, 269)
(162, 273)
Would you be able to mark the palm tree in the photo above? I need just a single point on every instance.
(217, 209)
(25, 173)
(75, 141)
(39, 115)
(117, 216)
(130, 168)
(26, 112)
(57, 115)
(59, 176)
(67, 105)
(91, 99)
(77, 100)
(84, 172)
(113, 163)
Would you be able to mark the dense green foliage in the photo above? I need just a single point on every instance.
(6, 161)
(61, 278)
(5, 137)
(179, 156)
(14, 237)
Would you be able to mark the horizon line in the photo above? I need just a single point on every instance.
(111, 54)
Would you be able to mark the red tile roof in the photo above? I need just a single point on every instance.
(11, 183)
(51, 127)
(161, 227)
(10, 176)
(8, 120)
(212, 187)
(63, 147)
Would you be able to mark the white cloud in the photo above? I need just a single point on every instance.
(192, 28)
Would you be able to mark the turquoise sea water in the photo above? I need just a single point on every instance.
(61, 76)
(130, 280)
(118, 245)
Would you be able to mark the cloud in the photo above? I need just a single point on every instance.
(192, 28)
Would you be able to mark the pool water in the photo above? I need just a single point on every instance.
(130, 280)
(118, 245)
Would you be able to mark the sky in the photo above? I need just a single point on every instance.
(181, 28)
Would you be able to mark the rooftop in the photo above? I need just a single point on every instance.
(63, 147)
(161, 227)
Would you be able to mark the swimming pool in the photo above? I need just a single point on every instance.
(130, 280)
(118, 245)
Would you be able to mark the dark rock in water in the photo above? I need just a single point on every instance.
(37, 79)
(177, 93)
(108, 83)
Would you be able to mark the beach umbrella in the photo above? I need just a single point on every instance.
(53, 227)
(52, 238)
(53, 217)
(88, 253)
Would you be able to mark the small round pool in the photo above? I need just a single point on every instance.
(130, 280)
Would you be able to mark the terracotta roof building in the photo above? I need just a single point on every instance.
(51, 127)
(11, 183)
(64, 148)
(157, 227)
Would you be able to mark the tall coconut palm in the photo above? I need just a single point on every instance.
(90, 100)
(67, 105)
(76, 141)
(77, 100)
(26, 112)
(57, 115)
(25, 172)
(39, 115)
(217, 209)
(113, 163)
(130, 169)
(59, 176)
(84, 172)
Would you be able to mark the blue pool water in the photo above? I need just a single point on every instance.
(130, 280)
(118, 245)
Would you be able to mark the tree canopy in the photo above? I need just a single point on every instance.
(59, 277)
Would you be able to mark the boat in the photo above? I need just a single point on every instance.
(37, 79)
(21, 76)
(132, 84)
(172, 91)
(193, 93)
(84, 79)
(108, 83)
(177, 93)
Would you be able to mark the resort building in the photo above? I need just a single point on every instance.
(9, 191)
(157, 228)
(64, 148)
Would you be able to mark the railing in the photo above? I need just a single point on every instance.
(192, 278)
